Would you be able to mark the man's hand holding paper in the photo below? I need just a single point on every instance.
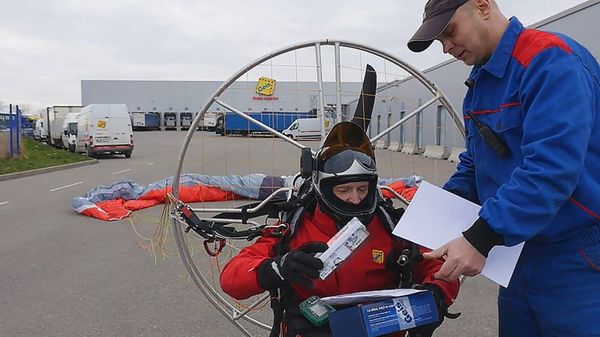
(436, 219)
(461, 259)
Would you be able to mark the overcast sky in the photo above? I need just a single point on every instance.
(49, 46)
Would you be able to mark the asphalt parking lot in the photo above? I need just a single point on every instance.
(63, 274)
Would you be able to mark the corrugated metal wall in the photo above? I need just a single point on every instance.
(191, 95)
(450, 76)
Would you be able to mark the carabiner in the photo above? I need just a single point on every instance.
(218, 245)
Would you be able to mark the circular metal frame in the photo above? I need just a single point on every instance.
(220, 303)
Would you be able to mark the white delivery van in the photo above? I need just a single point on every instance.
(307, 128)
(104, 128)
(69, 131)
(41, 131)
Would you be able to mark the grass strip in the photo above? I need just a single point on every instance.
(37, 155)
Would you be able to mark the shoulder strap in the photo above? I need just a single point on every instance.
(387, 213)
(298, 205)
(304, 202)
(410, 255)
(295, 208)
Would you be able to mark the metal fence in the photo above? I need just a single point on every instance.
(10, 134)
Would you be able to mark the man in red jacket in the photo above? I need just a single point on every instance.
(345, 185)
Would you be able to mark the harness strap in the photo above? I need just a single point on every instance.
(278, 311)
(410, 255)
(306, 202)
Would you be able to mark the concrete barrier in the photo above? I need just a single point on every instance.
(408, 148)
(436, 152)
(395, 146)
(380, 144)
(454, 154)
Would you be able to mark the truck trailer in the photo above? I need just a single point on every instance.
(145, 121)
(236, 124)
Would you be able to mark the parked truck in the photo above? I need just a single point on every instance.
(236, 124)
(55, 116)
(26, 124)
(209, 122)
(185, 120)
(170, 121)
(69, 131)
(220, 125)
(41, 132)
(144, 121)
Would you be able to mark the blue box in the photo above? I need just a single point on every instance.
(383, 317)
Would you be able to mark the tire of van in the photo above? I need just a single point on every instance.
(127, 154)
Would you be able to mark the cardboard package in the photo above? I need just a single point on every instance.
(383, 317)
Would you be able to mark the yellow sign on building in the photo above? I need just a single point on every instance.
(265, 86)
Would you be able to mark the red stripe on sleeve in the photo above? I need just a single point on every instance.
(531, 42)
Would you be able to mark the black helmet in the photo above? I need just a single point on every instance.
(346, 156)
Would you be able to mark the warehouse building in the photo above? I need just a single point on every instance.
(430, 132)
(181, 97)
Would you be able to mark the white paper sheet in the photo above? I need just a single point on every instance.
(367, 296)
(436, 216)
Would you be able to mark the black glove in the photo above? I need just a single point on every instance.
(297, 266)
(427, 330)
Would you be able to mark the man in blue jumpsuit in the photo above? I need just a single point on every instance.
(535, 96)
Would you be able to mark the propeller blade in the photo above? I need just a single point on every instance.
(364, 108)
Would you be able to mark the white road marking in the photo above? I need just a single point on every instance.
(4, 203)
(150, 164)
(122, 171)
(66, 186)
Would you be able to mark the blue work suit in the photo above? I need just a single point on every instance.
(540, 92)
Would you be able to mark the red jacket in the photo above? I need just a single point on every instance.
(364, 270)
